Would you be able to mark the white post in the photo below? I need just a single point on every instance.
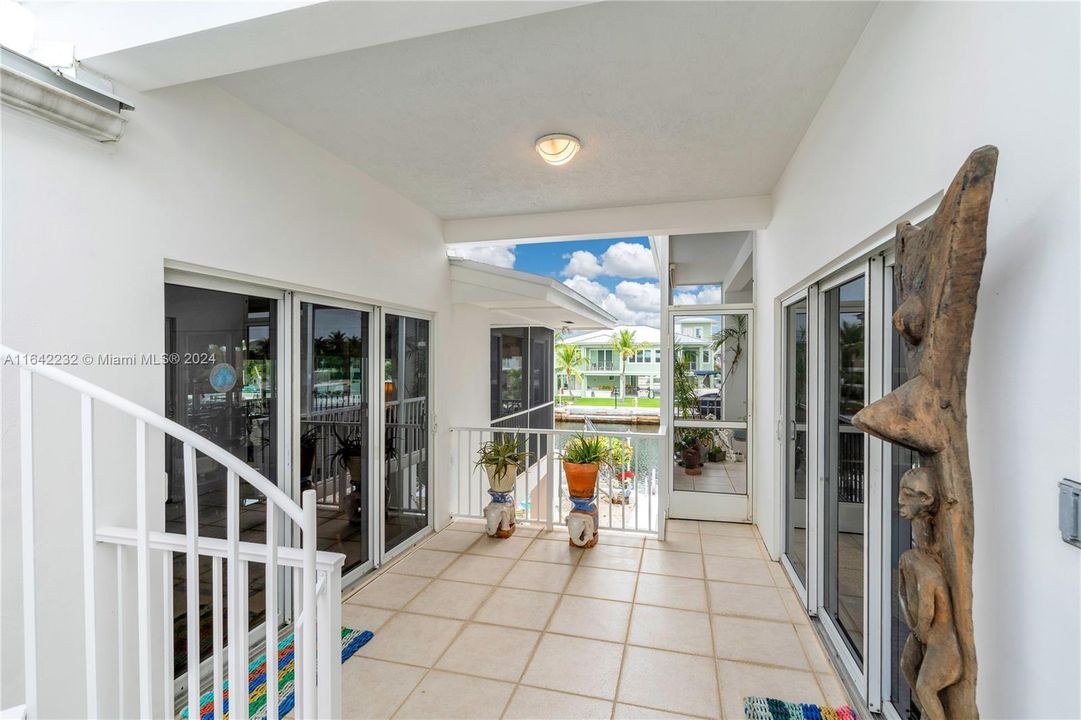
(271, 624)
(26, 471)
(330, 645)
(550, 488)
(238, 641)
(219, 643)
(168, 701)
(142, 571)
(191, 579)
(307, 655)
(89, 545)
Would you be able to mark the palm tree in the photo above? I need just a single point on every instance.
(569, 358)
(733, 338)
(626, 345)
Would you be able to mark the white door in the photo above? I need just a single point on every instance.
(711, 394)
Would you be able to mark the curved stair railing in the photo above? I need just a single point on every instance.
(316, 575)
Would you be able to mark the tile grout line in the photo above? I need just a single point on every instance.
(627, 634)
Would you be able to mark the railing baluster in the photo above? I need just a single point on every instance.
(298, 636)
(218, 639)
(329, 605)
(121, 613)
(191, 579)
(549, 495)
(271, 584)
(168, 702)
(89, 544)
(238, 646)
(142, 571)
(307, 669)
(26, 471)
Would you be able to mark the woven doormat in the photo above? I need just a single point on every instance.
(352, 640)
(760, 708)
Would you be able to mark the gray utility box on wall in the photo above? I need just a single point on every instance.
(1069, 511)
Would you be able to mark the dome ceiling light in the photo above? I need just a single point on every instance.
(557, 148)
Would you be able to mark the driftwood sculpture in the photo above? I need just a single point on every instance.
(937, 271)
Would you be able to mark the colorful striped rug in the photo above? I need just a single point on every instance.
(352, 640)
(760, 708)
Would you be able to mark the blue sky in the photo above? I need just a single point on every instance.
(618, 274)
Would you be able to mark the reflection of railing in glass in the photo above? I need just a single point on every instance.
(850, 464)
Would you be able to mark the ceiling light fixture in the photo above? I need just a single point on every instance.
(557, 148)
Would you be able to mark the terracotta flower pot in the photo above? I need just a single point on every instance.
(501, 482)
(581, 479)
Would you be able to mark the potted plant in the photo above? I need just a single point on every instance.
(620, 456)
(502, 458)
(582, 458)
(691, 450)
(716, 451)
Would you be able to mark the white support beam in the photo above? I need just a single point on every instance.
(701, 216)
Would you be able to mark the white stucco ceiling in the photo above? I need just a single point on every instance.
(672, 101)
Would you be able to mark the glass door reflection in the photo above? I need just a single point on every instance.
(406, 390)
(334, 442)
(795, 320)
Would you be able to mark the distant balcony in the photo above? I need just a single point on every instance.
(604, 366)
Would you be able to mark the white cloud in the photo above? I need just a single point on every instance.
(632, 303)
(594, 291)
(629, 260)
(583, 264)
(623, 259)
(498, 255)
(698, 295)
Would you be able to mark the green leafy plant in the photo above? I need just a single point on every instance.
(731, 340)
(350, 445)
(626, 346)
(502, 453)
(586, 450)
(569, 358)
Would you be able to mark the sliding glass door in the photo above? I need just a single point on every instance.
(406, 466)
(796, 454)
(334, 434)
(844, 381)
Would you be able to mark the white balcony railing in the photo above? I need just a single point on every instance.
(314, 577)
(628, 491)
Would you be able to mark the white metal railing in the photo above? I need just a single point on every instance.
(316, 577)
(628, 491)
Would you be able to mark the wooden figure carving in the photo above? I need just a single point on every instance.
(937, 272)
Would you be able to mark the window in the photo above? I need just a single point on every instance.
(522, 374)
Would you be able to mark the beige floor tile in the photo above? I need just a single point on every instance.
(577, 665)
(472, 526)
(634, 712)
(424, 562)
(390, 591)
(730, 529)
(360, 617)
(615, 538)
(678, 564)
(677, 542)
(518, 608)
(546, 577)
(670, 629)
(553, 551)
(759, 641)
(794, 607)
(747, 600)
(373, 689)
(740, 680)
(832, 689)
(673, 681)
(451, 541)
(511, 547)
(535, 704)
(729, 546)
(592, 618)
(412, 639)
(613, 557)
(738, 570)
(523, 530)
(780, 578)
(447, 598)
(448, 696)
(602, 583)
(685, 526)
(495, 652)
(816, 655)
(478, 569)
(674, 592)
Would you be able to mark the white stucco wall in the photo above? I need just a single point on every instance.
(926, 84)
(201, 178)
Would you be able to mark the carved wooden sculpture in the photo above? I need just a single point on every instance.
(938, 270)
